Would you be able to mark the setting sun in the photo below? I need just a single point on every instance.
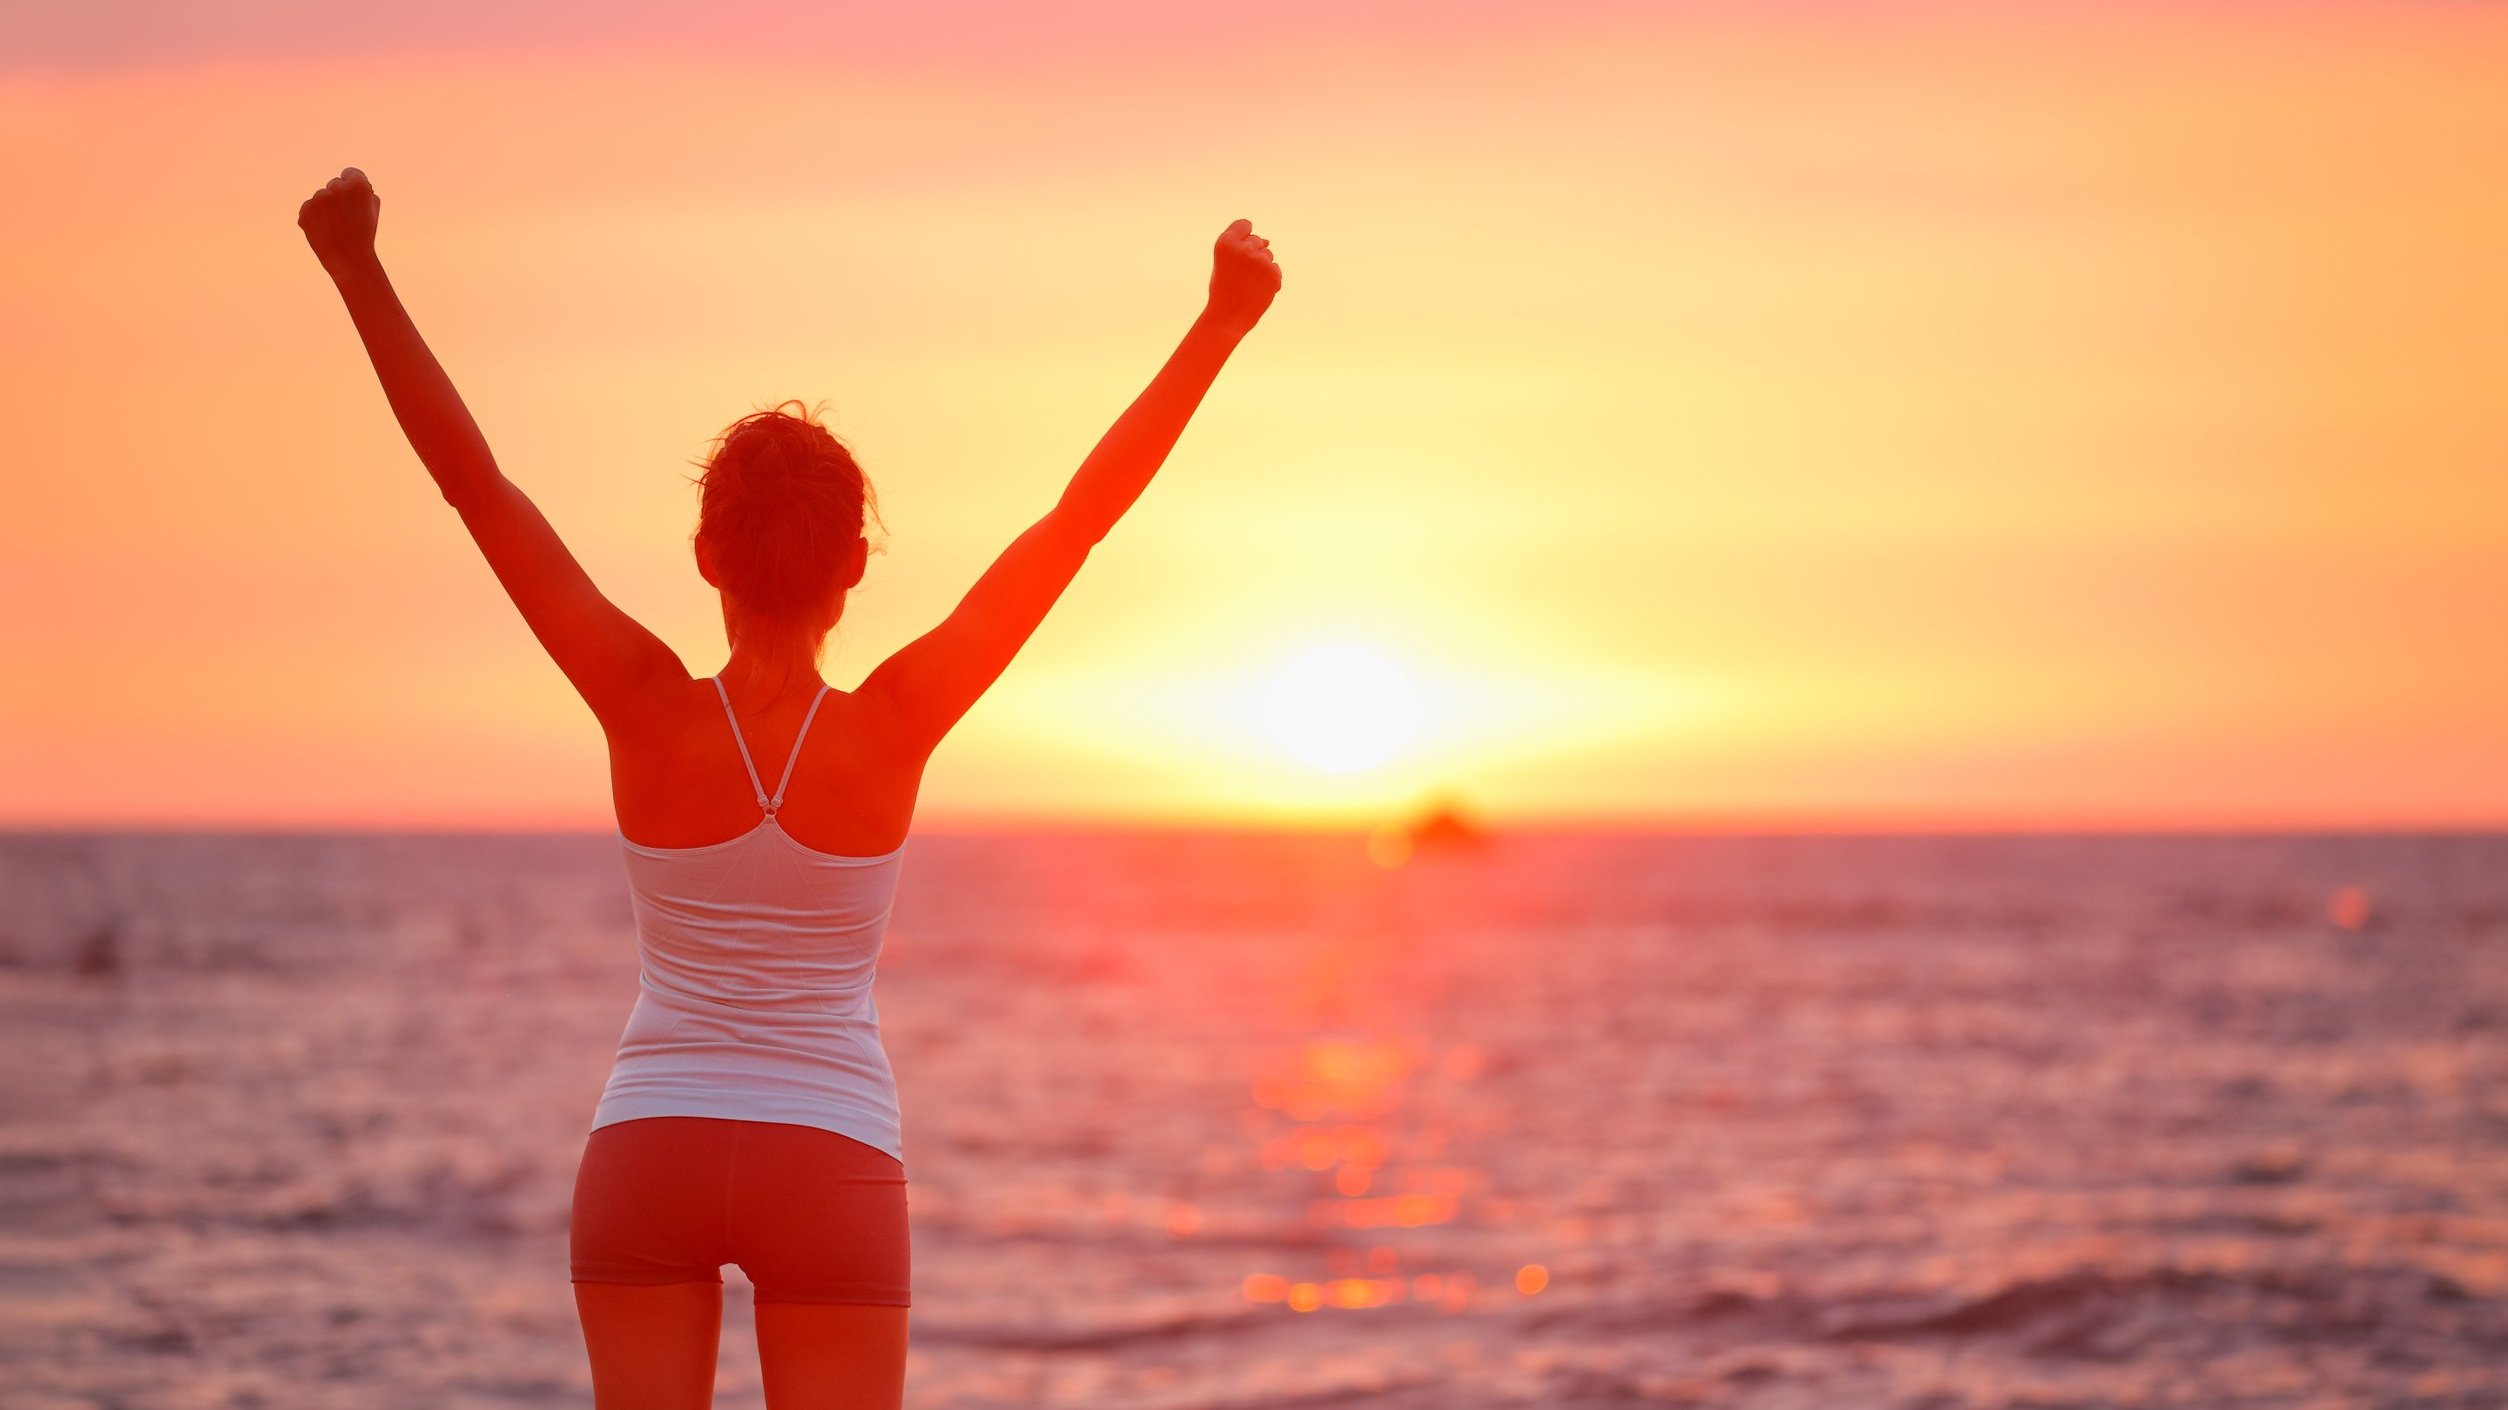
(1341, 707)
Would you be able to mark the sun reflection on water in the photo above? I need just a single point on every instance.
(1334, 1111)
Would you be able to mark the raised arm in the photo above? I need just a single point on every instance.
(612, 660)
(935, 679)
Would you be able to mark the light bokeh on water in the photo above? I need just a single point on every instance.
(1213, 1120)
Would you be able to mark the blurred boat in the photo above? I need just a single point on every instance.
(1444, 828)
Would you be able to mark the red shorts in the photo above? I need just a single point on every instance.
(809, 1215)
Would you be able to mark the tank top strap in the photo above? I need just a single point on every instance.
(782, 783)
(745, 761)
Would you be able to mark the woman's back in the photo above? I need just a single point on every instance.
(677, 779)
(758, 954)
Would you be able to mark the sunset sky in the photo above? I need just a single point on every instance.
(1784, 415)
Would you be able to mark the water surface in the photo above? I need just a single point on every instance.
(1210, 1120)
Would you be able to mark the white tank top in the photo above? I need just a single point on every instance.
(754, 998)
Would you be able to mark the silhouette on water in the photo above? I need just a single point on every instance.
(1442, 829)
(1446, 827)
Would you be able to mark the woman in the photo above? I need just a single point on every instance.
(750, 1116)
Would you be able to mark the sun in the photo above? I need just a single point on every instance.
(1340, 707)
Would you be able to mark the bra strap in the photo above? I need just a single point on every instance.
(744, 744)
(782, 783)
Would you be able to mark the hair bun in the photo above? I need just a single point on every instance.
(781, 503)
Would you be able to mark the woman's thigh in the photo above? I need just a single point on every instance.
(647, 1238)
(819, 1223)
(832, 1356)
(652, 1346)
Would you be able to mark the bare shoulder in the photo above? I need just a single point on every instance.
(883, 718)
(655, 708)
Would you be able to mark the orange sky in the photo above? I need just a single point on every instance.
(1790, 415)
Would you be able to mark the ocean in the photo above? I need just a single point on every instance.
(1205, 1120)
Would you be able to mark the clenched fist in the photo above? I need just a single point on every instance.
(1243, 276)
(339, 219)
